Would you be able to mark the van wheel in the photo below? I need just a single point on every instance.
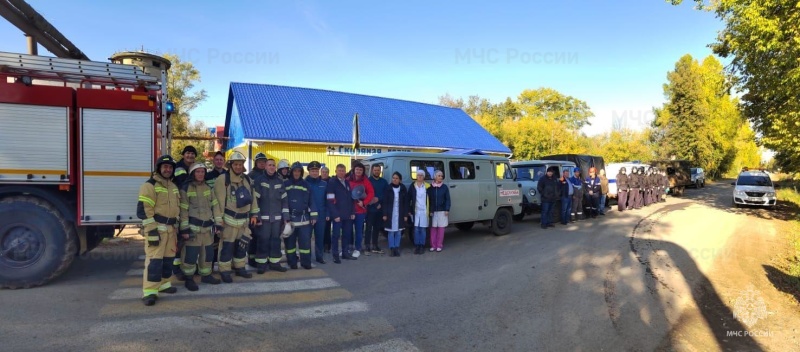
(501, 224)
(519, 217)
(465, 226)
(36, 243)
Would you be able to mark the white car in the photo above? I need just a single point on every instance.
(754, 188)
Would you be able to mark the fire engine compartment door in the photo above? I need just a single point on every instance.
(116, 159)
(35, 143)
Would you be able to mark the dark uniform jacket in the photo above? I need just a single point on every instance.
(319, 189)
(592, 184)
(271, 196)
(340, 201)
(300, 208)
(633, 181)
(439, 198)
(622, 182)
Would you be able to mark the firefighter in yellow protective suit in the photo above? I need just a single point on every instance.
(159, 207)
(235, 205)
(197, 228)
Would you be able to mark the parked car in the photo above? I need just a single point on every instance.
(754, 188)
(698, 177)
(528, 174)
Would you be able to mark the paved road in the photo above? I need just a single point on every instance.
(618, 282)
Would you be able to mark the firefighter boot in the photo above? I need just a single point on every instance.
(226, 277)
(169, 290)
(190, 284)
(277, 267)
(208, 279)
(262, 268)
(149, 300)
(243, 273)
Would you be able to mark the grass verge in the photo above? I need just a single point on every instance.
(789, 194)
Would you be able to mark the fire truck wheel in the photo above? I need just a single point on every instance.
(36, 243)
(501, 224)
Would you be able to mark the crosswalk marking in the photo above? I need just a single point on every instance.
(132, 281)
(394, 345)
(188, 303)
(160, 324)
(237, 288)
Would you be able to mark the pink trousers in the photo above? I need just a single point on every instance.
(437, 237)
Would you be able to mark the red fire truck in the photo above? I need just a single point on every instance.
(78, 139)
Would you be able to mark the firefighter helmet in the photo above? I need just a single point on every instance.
(283, 164)
(260, 156)
(298, 166)
(314, 165)
(236, 156)
(195, 167)
(164, 159)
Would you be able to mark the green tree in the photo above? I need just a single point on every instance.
(700, 119)
(540, 122)
(550, 104)
(182, 77)
(623, 145)
(761, 37)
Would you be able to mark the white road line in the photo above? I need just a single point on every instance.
(236, 287)
(206, 321)
(390, 345)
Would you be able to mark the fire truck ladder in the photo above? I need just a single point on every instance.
(89, 72)
(73, 70)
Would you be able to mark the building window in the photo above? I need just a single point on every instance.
(462, 170)
(429, 166)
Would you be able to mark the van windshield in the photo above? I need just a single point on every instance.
(754, 181)
(530, 172)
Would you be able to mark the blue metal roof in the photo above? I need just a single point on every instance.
(279, 113)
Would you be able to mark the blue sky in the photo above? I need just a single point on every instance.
(612, 54)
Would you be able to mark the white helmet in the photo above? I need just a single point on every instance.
(283, 164)
(237, 156)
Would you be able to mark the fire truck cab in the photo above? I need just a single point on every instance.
(78, 140)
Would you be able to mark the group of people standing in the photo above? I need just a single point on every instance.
(575, 194)
(186, 210)
(641, 188)
(581, 197)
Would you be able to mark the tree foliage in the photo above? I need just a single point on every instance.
(763, 40)
(544, 121)
(700, 121)
(182, 77)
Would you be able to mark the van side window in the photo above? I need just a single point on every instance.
(462, 170)
(503, 171)
(430, 167)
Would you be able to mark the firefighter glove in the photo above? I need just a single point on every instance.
(153, 238)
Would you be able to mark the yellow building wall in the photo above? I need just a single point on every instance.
(305, 153)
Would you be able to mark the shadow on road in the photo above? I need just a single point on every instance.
(782, 281)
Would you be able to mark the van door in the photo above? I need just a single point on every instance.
(487, 187)
(507, 190)
(464, 191)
